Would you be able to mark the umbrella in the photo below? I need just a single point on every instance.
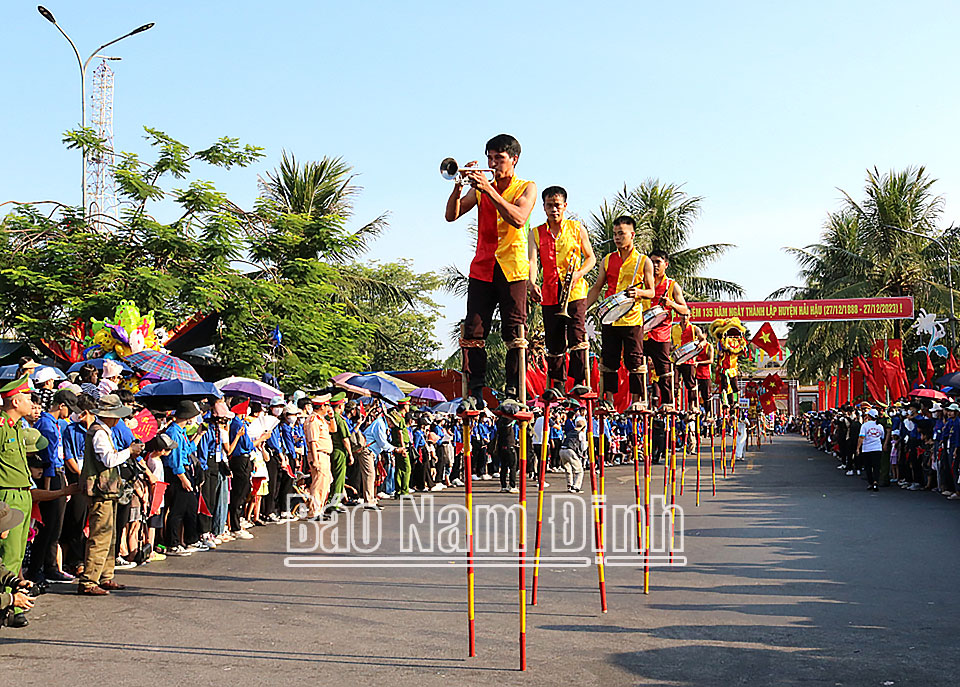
(97, 363)
(166, 395)
(447, 406)
(341, 381)
(428, 395)
(952, 379)
(378, 386)
(10, 371)
(929, 393)
(251, 388)
(163, 365)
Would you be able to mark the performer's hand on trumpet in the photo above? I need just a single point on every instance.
(478, 179)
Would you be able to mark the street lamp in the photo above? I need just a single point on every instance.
(48, 15)
(945, 248)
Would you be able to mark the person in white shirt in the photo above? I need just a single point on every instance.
(870, 447)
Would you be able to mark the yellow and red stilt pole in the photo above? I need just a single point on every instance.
(597, 503)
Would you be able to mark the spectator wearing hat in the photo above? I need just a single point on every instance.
(44, 380)
(316, 432)
(241, 465)
(100, 477)
(572, 451)
(182, 528)
(15, 479)
(72, 538)
(273, 455)
(365, 450)
(110, 377)
(17, 598)
(870, 448)
(341, 456)
(43, 561)
(402, 438)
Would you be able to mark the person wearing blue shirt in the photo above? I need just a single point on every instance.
(183, 535)
(43, 558)
(72, 541)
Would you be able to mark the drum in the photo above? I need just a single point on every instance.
(685, 353)
(654, 316)
(612, 308)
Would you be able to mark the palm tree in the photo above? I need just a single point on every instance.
(863, 254)
(665, 215)
(308, 206)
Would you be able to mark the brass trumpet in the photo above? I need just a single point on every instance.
(451, 171)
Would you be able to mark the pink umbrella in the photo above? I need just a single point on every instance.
(929, 393)
(341, 381)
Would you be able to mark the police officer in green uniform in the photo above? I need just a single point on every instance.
(400, 437)
(341, 455)
(15, 480)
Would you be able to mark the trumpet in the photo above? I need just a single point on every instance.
(566, 288)
(451, 171)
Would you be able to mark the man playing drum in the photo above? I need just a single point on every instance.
(629, 272)
(687, 339)
(704, 364)
(563, 248)
(500, 268)
(656, 345)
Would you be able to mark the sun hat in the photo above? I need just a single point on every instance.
(112, 406)
(33, 441)
(111, 369)
(9, 517)
(45, 374)
(186, 410)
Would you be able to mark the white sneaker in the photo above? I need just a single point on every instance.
(849, 472)
(546, 484)
(243, 534)
(497, 475)
(486, 478)
(436, 487)
(504, 490)
(458, 482)
(383, 495)
(513, 490)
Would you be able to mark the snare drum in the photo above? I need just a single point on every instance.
(654, 316)
(612, 308)
(685, 353)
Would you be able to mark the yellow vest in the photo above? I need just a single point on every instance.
(626, 279)
(566, 242)
(503, 243)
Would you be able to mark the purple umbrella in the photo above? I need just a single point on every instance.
(427, 395)
(251, 388)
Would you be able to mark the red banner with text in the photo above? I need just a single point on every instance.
(836, 310)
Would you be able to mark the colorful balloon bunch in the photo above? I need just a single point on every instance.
(127, 333)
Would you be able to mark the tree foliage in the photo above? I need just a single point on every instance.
(286, 264)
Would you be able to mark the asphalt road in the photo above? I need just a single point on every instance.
(795, 575)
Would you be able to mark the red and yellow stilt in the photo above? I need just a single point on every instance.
(597, 506)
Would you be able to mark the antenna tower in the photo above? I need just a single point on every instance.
(101, 187)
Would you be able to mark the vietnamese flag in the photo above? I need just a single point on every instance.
(920, 380)
(767, 403)
(895, 349)
(241, 408)
(930, 371)
(766, 339)
(892, 376)
(875, 389)
(772, 382)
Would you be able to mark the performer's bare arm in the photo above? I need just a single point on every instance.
(647, 291)
(677, 303)
(589, 257)
(458, 206)
(534, 256)
(513, 213)
(594, 293)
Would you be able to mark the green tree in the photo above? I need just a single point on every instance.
(863, 254)
(665, 215)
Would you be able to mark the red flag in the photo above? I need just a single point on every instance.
(875, 389)
(767, 403)
(895, 349)
(857, 379)
(821, 395)
(241, 408)
(832, 392)
(919, 381)
(766, 339)
(289, 468)
(772, 382)
(202, 506)
(952, 365)
(876, 361)
(35, 514)
(156, 498)
(891, 375)
(536, 380)
(930, 372)
(844, 387)
(255, 484)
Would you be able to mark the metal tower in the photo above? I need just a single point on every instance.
(101, 187)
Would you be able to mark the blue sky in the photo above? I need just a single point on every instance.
(764, 109)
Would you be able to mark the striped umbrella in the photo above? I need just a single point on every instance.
(163, 366)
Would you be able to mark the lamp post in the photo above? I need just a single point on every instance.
(946, 249)
(48, 15)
